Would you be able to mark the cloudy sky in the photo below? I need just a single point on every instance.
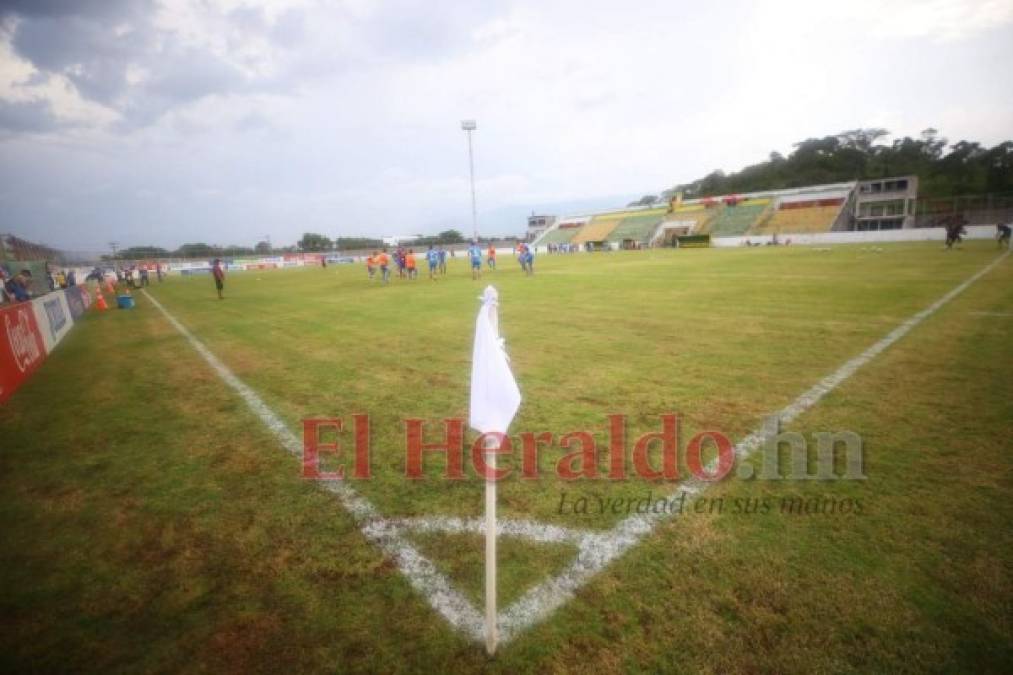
(164, 121)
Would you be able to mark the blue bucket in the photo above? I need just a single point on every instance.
(125, 301)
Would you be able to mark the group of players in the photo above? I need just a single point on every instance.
(436, 261)
(955, 231)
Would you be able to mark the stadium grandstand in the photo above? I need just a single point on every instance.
(600, 228)
(18, 254)
(564, 231)
(738, 215)
(15, 248)
(637, 229)
(888, 203)
(802, 216)
(683, 220)
(597, 231)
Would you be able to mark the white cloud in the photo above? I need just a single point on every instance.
(939, 20)
(253, 117)
(20, 82)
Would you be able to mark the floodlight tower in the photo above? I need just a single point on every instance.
(469, 126)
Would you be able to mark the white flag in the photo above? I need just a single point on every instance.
(494, 393)
(494, 402)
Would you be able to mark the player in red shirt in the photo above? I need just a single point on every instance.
(219, 274)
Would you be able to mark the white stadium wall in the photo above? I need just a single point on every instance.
(872, 237)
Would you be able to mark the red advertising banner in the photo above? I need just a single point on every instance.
(21, 347)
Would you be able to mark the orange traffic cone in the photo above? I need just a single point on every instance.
(100, 300)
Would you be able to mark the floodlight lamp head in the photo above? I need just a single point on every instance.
(468, 125)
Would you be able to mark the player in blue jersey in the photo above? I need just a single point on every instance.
(433, 260)
(475, 256)
(526, 257)
(443, 260)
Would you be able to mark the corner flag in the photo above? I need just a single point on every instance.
(494, 393)
(494, 402)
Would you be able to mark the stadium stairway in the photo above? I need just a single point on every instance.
(694, 218)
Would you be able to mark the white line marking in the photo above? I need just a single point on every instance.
(595, 550)
(420, 571)
(524, 529)
(539, 602)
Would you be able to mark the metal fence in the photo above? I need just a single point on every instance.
(987, 209)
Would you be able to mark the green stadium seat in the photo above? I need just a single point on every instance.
(560, 235)
(638, 229)
(732, 221)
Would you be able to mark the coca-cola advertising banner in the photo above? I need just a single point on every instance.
(22, 348)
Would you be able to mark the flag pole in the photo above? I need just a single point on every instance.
(490, 548)
(495, 399)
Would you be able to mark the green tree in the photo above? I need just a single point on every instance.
(262, 247)
(142, 252)
(355, 243)
(199, 250)
(233, 251)
(944, 170)
(450, 237)
(315, 242)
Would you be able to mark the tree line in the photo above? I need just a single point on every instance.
(944, 169)
(311, 242)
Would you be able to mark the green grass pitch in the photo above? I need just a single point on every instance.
(151, 522)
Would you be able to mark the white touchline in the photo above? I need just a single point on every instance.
(595, 550)
(418, 569)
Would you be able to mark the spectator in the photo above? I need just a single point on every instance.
(19, 286)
